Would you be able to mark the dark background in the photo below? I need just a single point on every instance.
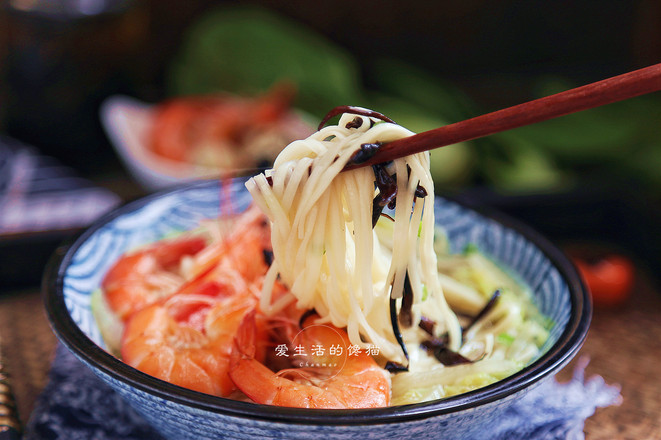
(57, 68)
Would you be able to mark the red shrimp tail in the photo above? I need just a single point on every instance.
(245, 339)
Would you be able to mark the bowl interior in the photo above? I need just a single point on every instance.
(554, 283)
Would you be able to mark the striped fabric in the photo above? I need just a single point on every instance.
(37, 193)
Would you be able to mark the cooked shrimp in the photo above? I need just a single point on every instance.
(245, 250)
(224, 131)
(154, 272)
(160, 340)
(143, 277)
(349, 381)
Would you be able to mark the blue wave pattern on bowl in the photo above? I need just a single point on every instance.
(185, 208)
(178, 211)
(517, 255)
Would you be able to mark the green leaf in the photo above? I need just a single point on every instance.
(246, 50)
(505, 339)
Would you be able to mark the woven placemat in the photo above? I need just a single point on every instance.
(23, 324)
(624, 346)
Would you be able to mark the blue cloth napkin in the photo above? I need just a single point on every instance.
(78, 405)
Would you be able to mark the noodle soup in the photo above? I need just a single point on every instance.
(334, 290)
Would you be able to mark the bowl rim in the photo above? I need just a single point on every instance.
(557, 356)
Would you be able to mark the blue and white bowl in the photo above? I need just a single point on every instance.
(179, 413)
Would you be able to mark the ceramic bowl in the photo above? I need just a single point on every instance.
(179, 413)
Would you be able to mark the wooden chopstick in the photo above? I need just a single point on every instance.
(618, 88)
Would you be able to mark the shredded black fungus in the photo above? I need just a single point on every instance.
(438, 347)
(394, 367)
(405, 311)
(387, 186)
(377, 209)
(355, 123)
(427, 325)
(367, 150)
(420, 192)
(268, 256)
(486, 309)
(436, 343)
(388, 217)
(395, 327)
(448, 357)
(353, 110)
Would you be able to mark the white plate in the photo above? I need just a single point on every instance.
(127, 122)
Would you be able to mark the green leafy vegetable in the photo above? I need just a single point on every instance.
(247, 50)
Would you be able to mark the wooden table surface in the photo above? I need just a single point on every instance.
(624, 347)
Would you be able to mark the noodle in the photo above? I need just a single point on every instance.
(324, 245)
